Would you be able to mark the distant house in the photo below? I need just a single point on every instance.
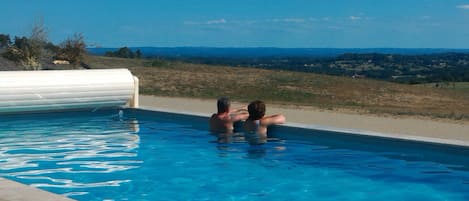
(401, 76)
(357, 76)
(62, 62)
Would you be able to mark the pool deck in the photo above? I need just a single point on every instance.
(14, 191)
(407, 128)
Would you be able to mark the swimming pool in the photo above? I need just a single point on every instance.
(144, 155)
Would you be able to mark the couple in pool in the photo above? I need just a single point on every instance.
(255, 125)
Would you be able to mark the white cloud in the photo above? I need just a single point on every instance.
(241, 22)
(464, 6)
(288, 20)
(258, 21)
(354, 18)
(219, 21)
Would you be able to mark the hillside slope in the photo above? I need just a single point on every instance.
(292, 88)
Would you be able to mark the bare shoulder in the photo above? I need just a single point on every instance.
(223, 118)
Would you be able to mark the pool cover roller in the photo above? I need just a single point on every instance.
(52, 90)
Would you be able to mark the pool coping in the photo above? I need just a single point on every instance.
(358, 132)
(14, 191)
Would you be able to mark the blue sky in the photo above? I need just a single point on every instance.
(247, 23)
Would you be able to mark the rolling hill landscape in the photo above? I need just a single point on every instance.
(293, 89)
(184, 78)
(412, 66)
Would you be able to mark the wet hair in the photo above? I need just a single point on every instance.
(256, 110)
(223, 104)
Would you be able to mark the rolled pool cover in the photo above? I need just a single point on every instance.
(52, 90)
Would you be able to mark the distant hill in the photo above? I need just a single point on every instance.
(270, 52)
(397, 65)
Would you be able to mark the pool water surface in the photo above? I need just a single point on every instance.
(141, 155)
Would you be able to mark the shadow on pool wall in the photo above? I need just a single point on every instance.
(408, 150)
(401, 149)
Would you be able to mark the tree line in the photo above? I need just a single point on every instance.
(412, 69)
(29, 51)
(124, 52)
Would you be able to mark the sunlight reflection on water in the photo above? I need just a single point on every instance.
(49, 151)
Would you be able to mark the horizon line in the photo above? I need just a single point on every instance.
(273, 47)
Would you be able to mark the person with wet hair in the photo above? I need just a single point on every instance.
(257, 123)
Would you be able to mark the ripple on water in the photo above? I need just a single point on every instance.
(47, 153)
(101, 157)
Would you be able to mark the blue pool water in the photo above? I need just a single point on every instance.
(140, 155)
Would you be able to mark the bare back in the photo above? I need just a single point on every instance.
(221, 123)
(256, 130)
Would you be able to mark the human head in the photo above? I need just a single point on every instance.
(256, 110)
(223, 104)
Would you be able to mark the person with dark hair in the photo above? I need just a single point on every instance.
(222, 121)
(257, 123)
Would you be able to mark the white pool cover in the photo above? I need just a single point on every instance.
(29, 91)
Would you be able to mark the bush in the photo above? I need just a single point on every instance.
(72, 49)
(5, 40)
(14, 54)
(51, 47)
(24, 51)
(124, 52)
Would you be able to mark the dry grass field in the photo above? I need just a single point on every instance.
(287, 88)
